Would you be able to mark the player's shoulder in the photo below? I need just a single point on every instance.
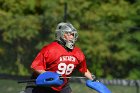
(79, 53)
(77, 49)
(53, 46)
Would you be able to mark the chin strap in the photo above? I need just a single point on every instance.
(63, 43)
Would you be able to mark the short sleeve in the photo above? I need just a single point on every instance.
(39, 61)
(82, 67)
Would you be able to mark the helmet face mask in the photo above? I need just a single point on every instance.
(68, 29)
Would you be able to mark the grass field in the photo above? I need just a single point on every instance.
(11, 86)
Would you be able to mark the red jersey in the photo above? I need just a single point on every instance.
(54, 57)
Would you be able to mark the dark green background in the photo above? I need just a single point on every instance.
(109, 34)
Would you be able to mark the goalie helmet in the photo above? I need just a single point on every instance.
(63, 28)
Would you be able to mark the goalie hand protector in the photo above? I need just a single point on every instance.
(49, 79)
(98, 86)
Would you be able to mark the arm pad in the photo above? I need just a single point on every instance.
(49, 79)
(98, 86)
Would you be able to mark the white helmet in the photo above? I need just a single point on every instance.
(66, 28)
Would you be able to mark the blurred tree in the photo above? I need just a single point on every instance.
(108, 33)
(105, 36)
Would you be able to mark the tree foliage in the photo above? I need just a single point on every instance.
(108, 33)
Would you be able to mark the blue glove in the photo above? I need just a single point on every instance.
(98, 86)
(49, 79)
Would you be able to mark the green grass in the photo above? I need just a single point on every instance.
(11, 86)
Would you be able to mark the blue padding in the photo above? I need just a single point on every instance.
(49, 79)
(98, 86)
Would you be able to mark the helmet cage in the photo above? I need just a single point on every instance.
(74, 33)
(67, 28)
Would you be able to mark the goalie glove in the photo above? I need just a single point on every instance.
(49, 79)
(97, 86)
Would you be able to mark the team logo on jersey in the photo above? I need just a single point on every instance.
(67, 58)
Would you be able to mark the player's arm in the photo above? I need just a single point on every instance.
(38, 71)
(95, 84)
(88, 75)
(38, 65)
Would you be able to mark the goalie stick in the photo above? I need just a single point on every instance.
(33, 80)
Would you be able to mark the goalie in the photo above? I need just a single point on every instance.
(59, 58)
